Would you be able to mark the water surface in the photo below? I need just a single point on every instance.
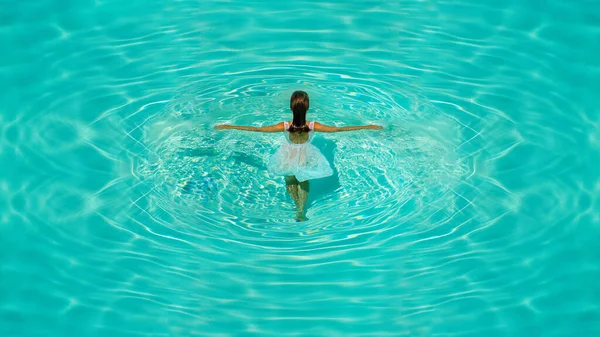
(472, 213)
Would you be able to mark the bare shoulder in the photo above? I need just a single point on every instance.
(279, 127)
(323, 128)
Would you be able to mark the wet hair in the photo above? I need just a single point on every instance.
(299, 104)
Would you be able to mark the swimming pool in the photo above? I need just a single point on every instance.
(123, 213)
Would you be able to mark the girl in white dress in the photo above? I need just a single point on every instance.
(297, 159)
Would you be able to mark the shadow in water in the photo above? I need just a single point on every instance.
(189, 152)
(320, 188)
(203, 184)
(249, 160)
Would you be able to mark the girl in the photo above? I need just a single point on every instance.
(297, 159)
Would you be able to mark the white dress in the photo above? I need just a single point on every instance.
(304, 161)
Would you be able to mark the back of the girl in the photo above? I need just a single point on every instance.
(299, 137)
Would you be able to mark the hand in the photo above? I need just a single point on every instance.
(222, 127)
(374, 127)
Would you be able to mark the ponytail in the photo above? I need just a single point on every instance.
(299, 104)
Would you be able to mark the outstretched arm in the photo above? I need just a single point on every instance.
(270, 128)
(326, 128)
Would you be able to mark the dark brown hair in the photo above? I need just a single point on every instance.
(299, 104)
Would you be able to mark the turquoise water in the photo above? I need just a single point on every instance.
(474, 212)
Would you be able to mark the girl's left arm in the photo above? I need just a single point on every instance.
(270, 128)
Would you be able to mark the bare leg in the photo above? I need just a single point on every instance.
(292, 187)
(303, 189)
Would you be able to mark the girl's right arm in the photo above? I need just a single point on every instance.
(326, 128)
(270, 128)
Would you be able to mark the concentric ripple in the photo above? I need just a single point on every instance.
(201, 170)
(474, 212)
